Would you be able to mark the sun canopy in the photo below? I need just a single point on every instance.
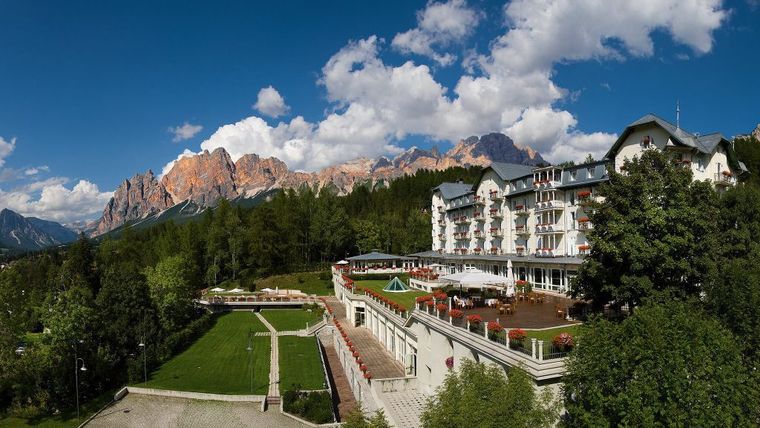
(396, 286)
(476, 279)
(342, 262)
(218, 290)
(236, 290)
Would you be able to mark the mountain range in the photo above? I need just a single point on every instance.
(198, 181)
(29, 233)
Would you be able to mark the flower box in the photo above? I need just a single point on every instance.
(563, 341)
(441, 308)
(456, 313)
(494, 327)
(474, 319)
(517, 335)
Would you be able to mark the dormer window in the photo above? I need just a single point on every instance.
(574, 175)
(590, 172)
(646, 141)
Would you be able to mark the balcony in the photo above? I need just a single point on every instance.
(478, 234)
(462, 220)
(460, 236)
(479, 217)
(479, 201)
(546, 184)
(496, 232)
(494, 251)
(440, 208)
(521, 210)
(442, 222)
(584, 224)
(547, 252)
(495, 196)
(584, 249)
(726, 178)
(549, 205)
(522, 229)
(520, 250)
(495, 213)
(477, 250)
(442, 237)
(548, 228)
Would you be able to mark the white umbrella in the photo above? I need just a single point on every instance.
(218, 290)
(510, 280)
(236, 290)
(267, 290)
(342, 262)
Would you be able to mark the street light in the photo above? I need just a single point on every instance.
(145, 359)
(250, 355)
(76, 377)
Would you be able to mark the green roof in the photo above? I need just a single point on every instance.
(396, 286)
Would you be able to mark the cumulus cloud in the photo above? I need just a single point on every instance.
(6, 148)
(438, 25)
(184, 132)
(270, 103)
(36, 170)
(52, 200)
(509, 88)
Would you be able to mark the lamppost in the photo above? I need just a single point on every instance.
(145, 359)
(76, 377)
(250, 355)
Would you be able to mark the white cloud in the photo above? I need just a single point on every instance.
(510, 88)
(55, 201)
(36, 170)
(269, 102)
(438, 25)
(6, 148)
(184, 132)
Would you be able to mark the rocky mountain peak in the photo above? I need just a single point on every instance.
(202, 178)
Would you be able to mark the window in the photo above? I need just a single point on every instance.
(572, 220)
(556, 279)
(590, 172)
(573, 175)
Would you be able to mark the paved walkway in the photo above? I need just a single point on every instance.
(274, 359)
(144, 411)
(380, 362)
(404, 408)
(345, 397)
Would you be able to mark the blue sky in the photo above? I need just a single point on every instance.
(89, 90)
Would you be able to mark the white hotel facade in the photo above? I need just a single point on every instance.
(534, 217)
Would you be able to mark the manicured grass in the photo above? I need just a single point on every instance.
(218, 362)
(66, 418)
(300, 363)
(406, 299)
(548, 335)
(307, 282)
(291, 319)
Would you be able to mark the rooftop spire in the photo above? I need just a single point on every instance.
(678, 114)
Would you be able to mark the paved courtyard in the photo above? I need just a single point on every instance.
(380, 362)
(138, 411)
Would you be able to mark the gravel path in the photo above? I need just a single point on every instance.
(142, 411)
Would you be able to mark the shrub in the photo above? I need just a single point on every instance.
(178, 341)
(325, 276)
(315, 406)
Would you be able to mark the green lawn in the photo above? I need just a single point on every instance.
(218, 362)
(307, 282)
(406, 299)
(548, 335)
(65, 419)
(291, 319)
(300, 363)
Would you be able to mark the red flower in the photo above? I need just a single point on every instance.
(424, 298)
(521, 282)
(517, 334)
(356, 354)
(475, 319)
(430, 303)
(441, 296)
(494, 327)
(456, 313)
(367, 375)
(442, 307)
(363, 368)
(563, 341)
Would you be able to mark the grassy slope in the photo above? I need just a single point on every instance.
(218, 362)
(300, 363)
(290, 319)
(307, 282)
(406, 299)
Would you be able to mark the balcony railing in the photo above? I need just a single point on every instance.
(478, 234)
(520, 251)
(495, 231)
(495, 196)
(459, 236)
(462, 220)
(521, 210)
(522, 229)
(440, 208)
(479, 200)
(477, 250)
(584, 249)
(479, 217)
(546, 184)
(494, 251)
(495, 213)
(547, 252)
(442, 237)
(724, 179)
(441, 222)
(586, 225)
(549, 205)
(548, 228)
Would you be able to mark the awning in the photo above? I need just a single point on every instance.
(476, 279)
